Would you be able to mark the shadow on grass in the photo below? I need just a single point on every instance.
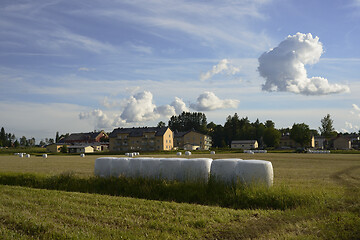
(213, 193)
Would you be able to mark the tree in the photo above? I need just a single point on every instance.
(2, 137)
(301, 134)
(161, 124)
(23, 141)
(57, 138)
(16, 143)
(327, 130)
(64, 149)
(271, 137)
(188, 121)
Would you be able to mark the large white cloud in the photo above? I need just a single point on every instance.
(179, 106)
(223, 66)
(208, 101)
(101, 120)
(284, 67)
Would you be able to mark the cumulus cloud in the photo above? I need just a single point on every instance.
(139, 108)
(356, 107)
(101, 120)
(223, 66)
(284, 67)
(208, 101)
(179, 106)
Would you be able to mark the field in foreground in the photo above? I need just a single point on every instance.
(39, 213)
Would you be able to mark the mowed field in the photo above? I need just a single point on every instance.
(332, 179)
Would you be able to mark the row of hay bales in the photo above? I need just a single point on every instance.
(255, 151)
(183, 169)
(319, 151)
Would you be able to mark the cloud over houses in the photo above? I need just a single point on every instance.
(208, 101)
(284, 67)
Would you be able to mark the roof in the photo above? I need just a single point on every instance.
(83, 137)
(181, 134)
(243, 141)
(138, 132)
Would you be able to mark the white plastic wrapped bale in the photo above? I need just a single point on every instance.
(170, 169)
(255, 171)
(82, 155)
(103, 166)
(150, 168)
(224, 170)
(212, 152)
(27, 155)
(178, 153)
(134, 167)
(196, 169)
(119, 167)
(187, 153)
(21, 155)
(44, 155)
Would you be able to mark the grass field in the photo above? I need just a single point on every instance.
(334, 181)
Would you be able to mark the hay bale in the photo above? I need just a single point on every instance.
(44, 155)
(178, 153)
(150, 168)
(103, 166)
(82, 155)
(255, 171)
(134, 167)
(212, 152)
(224, 170)
(119, 167)
(21, 155)
(195, 169)
(187, 153)
(170, 168)
(27, 155)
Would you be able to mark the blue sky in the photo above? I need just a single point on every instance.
(76, 66)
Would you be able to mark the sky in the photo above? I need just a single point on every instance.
(79, 66)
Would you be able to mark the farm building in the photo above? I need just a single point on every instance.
(244, 144)
(80, 149)
(345, 142)
(141, 139)
(55, 147)
(82, 138)
(287, 142)
(192, 140)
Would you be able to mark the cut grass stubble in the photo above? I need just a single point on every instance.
(215, 193)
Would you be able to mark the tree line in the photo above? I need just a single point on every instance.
(236, 128)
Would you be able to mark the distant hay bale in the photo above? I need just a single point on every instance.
(44, 155)
(27, 155)
(212, 152)
(21, 155)
(187, 153)
(178, 153)
(82, 155)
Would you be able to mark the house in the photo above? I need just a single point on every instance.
(55, 147)
(345, 142)
(244, 144)
(80, 149)
(287, 142)
(320, 142)
(82, 138)
(192, 140)
(141, 139)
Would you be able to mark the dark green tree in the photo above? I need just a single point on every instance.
(23, 141)
(327, 130)
(57, 138)
(188, 121)
(2, 137)
(301, 134)
(64, 149)
(271, 136)
(161, 124)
